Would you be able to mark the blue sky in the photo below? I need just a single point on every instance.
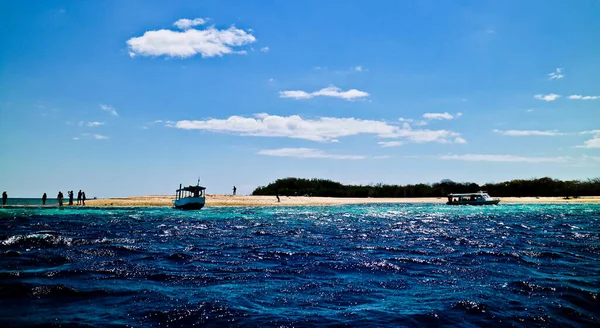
(126, 98)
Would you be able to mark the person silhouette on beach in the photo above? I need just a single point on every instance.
(44, 199)
(278, 200)
(79, 197)
(234, 190)
(71, 198)
(83, 198)
(60, 199)
(4, 198)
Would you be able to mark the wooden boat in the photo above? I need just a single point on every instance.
(190, 197)
(477, 198)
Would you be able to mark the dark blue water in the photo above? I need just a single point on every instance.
(358, 265)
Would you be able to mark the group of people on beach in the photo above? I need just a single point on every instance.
(60, 197)
(80, 198)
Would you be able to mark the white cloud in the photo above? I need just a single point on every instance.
(109, 109)
(530, 110)
(580, 97)
(590, 132)
(92, 124)
(271, 80)
(305, 153)
(460, 140)
(439, 116)
(330, 91)
(556, 75)
(296, 94)
(358, 68)
(209, 42)
(502, 158)
(591, 143)
(548, 97)
(523, 133)
(75, 138)
(185, 23)
(323, 129)
(264, 49)
(94, 136)
(390, 143)
(382, 157)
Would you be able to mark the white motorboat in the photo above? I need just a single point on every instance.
(190, 197)
(477, 198)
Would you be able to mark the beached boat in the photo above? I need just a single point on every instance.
(190, 197)
(477, 198)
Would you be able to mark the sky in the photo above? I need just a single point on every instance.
(123, 98)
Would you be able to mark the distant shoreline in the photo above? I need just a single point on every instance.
(229, 200)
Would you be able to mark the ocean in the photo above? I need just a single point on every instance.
(390, 265)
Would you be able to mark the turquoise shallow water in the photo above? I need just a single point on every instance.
(355, 265)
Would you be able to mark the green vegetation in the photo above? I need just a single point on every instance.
(516, 188)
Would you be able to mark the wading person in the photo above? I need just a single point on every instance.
(4, 198)
(44, 199)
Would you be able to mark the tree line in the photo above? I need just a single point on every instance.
(543, 187)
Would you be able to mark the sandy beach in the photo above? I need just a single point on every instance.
(229, 200)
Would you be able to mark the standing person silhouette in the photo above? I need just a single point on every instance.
(79, 197)
(71, 198)
(60, 199)
(44, 199)
(234, 190)
(4, 198)
(83, 198)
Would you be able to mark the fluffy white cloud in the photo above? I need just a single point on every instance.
(331, 91)
(460, 140)
(502, 158)
(209, 42)
(580, 97)
(264, 49)
(548, 97)
(185, 23)
(109, 109)
(439, 116)
(591, 143)
(556, 75)
(358, 68)
(305, 153)
(323, 129)
(523, 133)
(390, 143)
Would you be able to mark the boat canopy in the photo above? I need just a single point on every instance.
(469, 194)
(191, 189)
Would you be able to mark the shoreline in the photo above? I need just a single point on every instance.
(230, 200)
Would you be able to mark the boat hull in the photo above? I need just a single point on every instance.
(191, 203)
(486, 202)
